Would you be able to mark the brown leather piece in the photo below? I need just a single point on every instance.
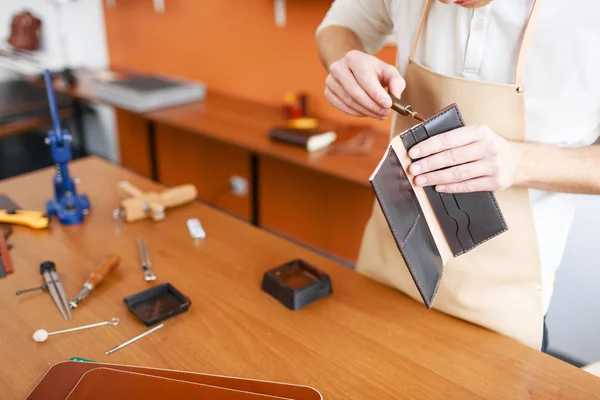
(466, 220)
(61, 378)
(25, 32)
(105, 383)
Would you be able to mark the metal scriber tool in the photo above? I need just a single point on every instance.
(55, 287)
(145, 260)
(138, 337)
(41, 335)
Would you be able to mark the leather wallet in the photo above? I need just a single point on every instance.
(62, 378)
(431, 228)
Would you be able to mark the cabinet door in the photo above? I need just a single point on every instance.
(184, 157)
(132, 131)
(323, 212)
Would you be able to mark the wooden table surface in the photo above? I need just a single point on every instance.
(366, 341)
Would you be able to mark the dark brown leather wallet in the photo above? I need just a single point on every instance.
(429, 227)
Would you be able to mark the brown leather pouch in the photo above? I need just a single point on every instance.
(25, 32)
(431, 228)
(62, 378)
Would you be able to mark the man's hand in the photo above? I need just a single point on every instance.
(356, 85)
(468, 159)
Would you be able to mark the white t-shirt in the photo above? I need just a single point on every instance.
(562, 76)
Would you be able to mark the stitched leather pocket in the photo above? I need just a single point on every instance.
(405, 219)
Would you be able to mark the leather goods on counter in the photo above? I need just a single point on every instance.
(63, 379)
(25, 32)
(429, 227)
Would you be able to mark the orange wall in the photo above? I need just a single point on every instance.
(233, 46)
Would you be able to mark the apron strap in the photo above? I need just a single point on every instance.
(421, 25)
(520, 71)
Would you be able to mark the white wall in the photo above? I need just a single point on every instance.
(574, 315)
(85, 44)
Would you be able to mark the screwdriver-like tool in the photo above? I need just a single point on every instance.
(405, 109)
(107, 266)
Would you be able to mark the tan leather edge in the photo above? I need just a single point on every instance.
(432, 221)
(190, 372)
(258, 395)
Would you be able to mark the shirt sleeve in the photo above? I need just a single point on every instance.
(370, 20)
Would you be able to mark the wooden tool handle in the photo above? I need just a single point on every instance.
(108, 265)
(126, 190)
(178, 195)
(135, 209)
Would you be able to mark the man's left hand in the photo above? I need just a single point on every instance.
(468, 159)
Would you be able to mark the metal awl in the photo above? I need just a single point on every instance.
(145, 260)
(108, 265)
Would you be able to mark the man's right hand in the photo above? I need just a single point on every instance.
(356, 85)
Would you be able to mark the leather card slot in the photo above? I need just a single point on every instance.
(396, 197)
(447, 120)
(424, 261)
(461, 218)
(419, 133)
(489, 221)
(449, 225)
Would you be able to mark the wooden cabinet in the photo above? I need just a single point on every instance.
(186, 157)
(132, 131)
(326, 213)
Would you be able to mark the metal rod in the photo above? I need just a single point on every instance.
(43, 287)
(52, 101)
(138, 337)
(113, 322)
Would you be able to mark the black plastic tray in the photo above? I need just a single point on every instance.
(296, 284)
(157, 304)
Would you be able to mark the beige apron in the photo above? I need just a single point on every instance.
(496, 285)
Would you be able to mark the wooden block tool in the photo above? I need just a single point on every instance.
(137, 205)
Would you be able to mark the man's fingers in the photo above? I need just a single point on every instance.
(448, 158)
(339, 104)
(455, 174)
(342, 73)
(390, 77)
(484, 184)
(335, 87)
(444, 141)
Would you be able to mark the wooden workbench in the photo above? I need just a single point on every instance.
(366, 341)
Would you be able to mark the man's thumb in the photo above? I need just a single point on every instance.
(393, 80)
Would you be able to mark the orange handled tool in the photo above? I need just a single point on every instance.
(109, 264)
